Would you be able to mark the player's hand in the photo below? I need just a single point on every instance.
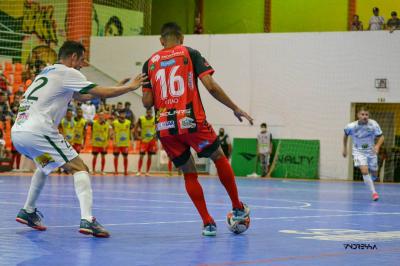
(344, 153)
(376, 149)
(122, 82)
(138, 81)
(240, 113)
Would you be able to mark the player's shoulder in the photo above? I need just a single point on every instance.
(373, 122)
(192, 51)
(352, 124)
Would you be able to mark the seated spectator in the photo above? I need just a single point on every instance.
(394, 22)
(3, 82)
(2, 145)
(356, 25)
(376, 22)
(129, 114)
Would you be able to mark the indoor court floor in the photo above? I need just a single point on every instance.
(153, 222)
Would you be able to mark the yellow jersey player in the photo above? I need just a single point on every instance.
(79, 131)
(122, 130)
(148, 142)
(67, 126)
(100, 137)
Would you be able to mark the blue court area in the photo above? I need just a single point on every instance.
(153, 222)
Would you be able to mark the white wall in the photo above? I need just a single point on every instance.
(301, 84)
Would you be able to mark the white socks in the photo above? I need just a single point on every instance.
(83, 191)
(37, 184)
(368, 181)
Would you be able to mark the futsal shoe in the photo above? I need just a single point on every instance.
(241, 214)
(209, 230)
(139, 174)
(31, 219)
(375, 196)
(93, 228)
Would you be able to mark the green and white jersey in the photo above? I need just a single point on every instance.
(46, 101)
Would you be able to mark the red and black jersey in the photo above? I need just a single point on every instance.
(173, 74)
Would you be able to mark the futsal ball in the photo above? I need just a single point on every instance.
(237, 227)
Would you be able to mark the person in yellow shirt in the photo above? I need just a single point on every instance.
(67, 126)
(100, 136)
(122, 131)
(79, 131)
(145, 131)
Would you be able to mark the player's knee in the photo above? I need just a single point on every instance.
(76, 165)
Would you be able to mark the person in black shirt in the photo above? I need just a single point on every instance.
(225, 143)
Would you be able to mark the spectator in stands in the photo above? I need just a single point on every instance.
(120, 108)
(4, 106)
(198, 27)
(394, 22)
(3, 82)
(376, 22)
(89, 111)
(129, 114)
(2, 145)
(225, 143)
(356, 25)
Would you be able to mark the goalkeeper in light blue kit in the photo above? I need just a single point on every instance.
(367, 140)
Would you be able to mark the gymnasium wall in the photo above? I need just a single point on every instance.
(308, 15)
(301, 84)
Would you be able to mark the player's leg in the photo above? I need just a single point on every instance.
(116, 155)
(179, 153)
(373, 170)
(125, 157)
(169, 167)
(361, 161)
(103, 160)
(224, 169)
(29, 215)
(148, 163)
(83, 190)
(263, 161)
(140, 163)
(94, 159)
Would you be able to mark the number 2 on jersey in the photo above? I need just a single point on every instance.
(43, 81)
(173, 80)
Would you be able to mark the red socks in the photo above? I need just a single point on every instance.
(125, 164)
(94, 160)
(116, 164)
(148, 164)
(227, 178)
(103, 163)
(169, 166)
(140, 163)
(195, 193)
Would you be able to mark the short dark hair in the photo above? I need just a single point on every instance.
(375, 9)
(394, 13)
(171, 29)
(117, 22)
(263, 125)
(363, 108)
(69, 48)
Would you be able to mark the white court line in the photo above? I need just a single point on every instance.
(220, 220)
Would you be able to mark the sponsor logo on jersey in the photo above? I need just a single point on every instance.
(168, 63)
(204, 144)
(174, 54)
(175, 112)
(187, 122)
(155, 58)
(22, 117)
(44, 159)
(152, 67)
(165, 125)
(190, 80)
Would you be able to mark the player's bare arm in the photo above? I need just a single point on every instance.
(137, 129)
(218, 93)
(345, 138)
(379, 143)
(109, 92)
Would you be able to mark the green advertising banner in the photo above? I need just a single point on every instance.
(290, 158)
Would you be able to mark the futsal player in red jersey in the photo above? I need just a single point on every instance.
(181, 122)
